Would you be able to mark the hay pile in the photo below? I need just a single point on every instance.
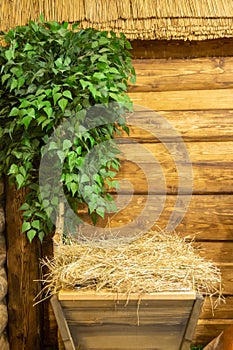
(152, 262)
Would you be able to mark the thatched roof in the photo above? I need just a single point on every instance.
(138, 19)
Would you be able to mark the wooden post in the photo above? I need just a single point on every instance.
(23, 269)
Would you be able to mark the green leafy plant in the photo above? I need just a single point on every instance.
(50, 74)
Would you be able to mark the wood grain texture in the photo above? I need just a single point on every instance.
(184, 100)
(97, 323)
(207, 217)
(208, 329)
(192, 126)
(182, 74)
(24, 325)
(157, 168)
(212, 310)
(172, 49)
(123, 337)
(62, 324)
(112, 299)
(221, 252)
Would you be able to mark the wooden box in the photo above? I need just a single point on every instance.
(104, 321)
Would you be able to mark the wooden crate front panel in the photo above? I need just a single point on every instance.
(114, 325)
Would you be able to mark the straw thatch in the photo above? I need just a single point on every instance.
(152, 262)
(138, 19)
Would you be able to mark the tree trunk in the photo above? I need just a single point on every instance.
(23, 267)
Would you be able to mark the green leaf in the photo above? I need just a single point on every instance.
(19, 180)
(31, 234)
(26, 121)
(67, 94)
(100, 211)
(84, 83)
(24, 206)
(59, 62)
(21, 81)
(36, 224)
(55, 201)
(99, 76)
(62, 104)
(84, 178)
(48, 111)
(73, 188)
(13, 169)
(14, 84)
(67, 61)
(9, 54)
(42, 18)
(5, 77)
(61, 156)
(66, 145)
(94, 44)
(56, 97)
(113, 70)
(133, 79)
(14, 112)
(103, 41)
(53, 145)
(25, 226)
(24, 104)
(28, 47)
(41, 236)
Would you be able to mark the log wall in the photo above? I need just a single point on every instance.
(4, 344)
(195, 97)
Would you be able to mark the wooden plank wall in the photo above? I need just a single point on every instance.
(196, 97)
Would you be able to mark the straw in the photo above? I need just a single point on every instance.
(152, 262)
(138, 19)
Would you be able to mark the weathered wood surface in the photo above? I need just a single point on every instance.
(207, 329)
(212, 309)
(4, 344)
(194, 98)
(207, 125)
(104, 298)
(148, 166)
(172, 49)
(23, 269)
(208, 217)
(194, 74)
(97, 322)
(62, 324)
(184, 100)
(50, 329)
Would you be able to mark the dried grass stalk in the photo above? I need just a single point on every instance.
(152, 262)
(138, 19)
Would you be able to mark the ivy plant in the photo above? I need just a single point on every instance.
(52, 75)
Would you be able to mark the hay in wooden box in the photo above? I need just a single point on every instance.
(152, 262)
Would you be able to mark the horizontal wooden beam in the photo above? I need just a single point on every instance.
(157, 168)
(208, 329)
(183, 74)
(205, 217)
(192, 126)
(184, 100)
(171, 49)
(214, 309)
